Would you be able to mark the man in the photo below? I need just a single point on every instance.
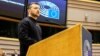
(29, 32)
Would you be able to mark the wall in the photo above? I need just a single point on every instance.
(85, 12)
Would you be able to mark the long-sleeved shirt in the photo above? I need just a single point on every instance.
(29, 30)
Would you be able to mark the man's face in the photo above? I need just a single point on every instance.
(34, 10)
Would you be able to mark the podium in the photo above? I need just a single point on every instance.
(74, 41)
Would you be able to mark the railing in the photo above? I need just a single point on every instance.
(95, 49)
(9, 46)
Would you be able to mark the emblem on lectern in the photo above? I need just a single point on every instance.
(87, 48)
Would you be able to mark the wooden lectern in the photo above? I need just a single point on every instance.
(75, 41)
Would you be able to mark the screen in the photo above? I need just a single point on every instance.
(52, 11)
(12, 8)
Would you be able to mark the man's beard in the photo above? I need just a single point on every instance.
(34, 15)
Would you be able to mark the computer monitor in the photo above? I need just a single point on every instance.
(12, 8)
(52, 11)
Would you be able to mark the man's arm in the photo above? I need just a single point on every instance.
(23, 30)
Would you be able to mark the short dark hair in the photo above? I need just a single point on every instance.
(29, 5)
